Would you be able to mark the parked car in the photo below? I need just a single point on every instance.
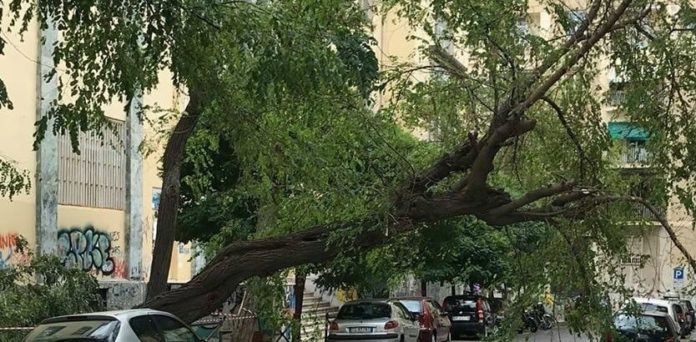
(143, 325)
(649, 326)
(434, 323)
(469, 314)
(670, 307)
(374, 320)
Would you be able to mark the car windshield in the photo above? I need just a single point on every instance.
(653, 307)
(413, 306)
(459, 303)
(651, 325)
(97, 330)
(364, 311)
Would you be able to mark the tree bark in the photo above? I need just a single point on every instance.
(169, 199)
(413, 202)
(298, 288)
(242, 260)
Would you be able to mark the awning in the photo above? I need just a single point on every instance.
(627, 131)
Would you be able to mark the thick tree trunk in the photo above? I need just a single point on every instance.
(413, 203)
(298, 289)
(169, 200)
(242, 260)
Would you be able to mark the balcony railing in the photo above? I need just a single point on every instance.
(617, 97)
(644, 213)
(635, 154)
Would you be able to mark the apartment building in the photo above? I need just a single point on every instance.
(95, 210)
(655, 264)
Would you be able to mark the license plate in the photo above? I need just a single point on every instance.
(461, 318)
(360, 330)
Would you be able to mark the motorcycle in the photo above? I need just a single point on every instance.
(546, 320)
(529, 322)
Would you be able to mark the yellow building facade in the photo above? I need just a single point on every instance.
(95, 210)
(654, 277)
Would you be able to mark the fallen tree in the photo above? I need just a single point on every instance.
(515, 83)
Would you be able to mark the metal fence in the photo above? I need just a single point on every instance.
(12, 334)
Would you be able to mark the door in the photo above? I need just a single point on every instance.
(442, 322)
(411, 328)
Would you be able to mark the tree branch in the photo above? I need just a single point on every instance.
(550, 81)
(533, 196)
(663, 222)
(569, 131)
(483, 164)
(457, 161)
(574, 38)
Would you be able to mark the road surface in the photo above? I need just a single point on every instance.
(561, 334)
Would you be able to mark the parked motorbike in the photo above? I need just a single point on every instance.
(530, 322)
(546, 320)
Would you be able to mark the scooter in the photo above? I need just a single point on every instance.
(530, 322)
(546, 320)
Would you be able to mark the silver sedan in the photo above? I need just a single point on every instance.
(374, 321)
(114, 326)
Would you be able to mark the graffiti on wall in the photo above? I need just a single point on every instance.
(119, 268)
(9, 256)
(88, 249)
(124, 295)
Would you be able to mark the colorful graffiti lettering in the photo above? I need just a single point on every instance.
(87, 249)
(8, 240)
(119, 268)
(9, 256)
(5, 262)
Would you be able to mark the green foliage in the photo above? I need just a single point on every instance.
(211, 205)
(286, 140)
(13, 181)
(41, 289)
(269, 302)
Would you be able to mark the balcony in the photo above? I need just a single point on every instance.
(635, 153)
(643, 213)
(616, 97)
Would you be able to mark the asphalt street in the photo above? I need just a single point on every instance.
(561, 334)
(555, 335)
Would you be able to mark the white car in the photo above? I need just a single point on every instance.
(670, 307)
(374, 321)
(143, 325)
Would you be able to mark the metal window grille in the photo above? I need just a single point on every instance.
(96, 177)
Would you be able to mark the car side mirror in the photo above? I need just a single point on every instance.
(415, 317)
(331, 315)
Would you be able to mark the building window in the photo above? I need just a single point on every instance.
(522, 27)
(635, 256)
(96, 177)
(617, 93)
(635, 152)
(633, 139)
(575, 19)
